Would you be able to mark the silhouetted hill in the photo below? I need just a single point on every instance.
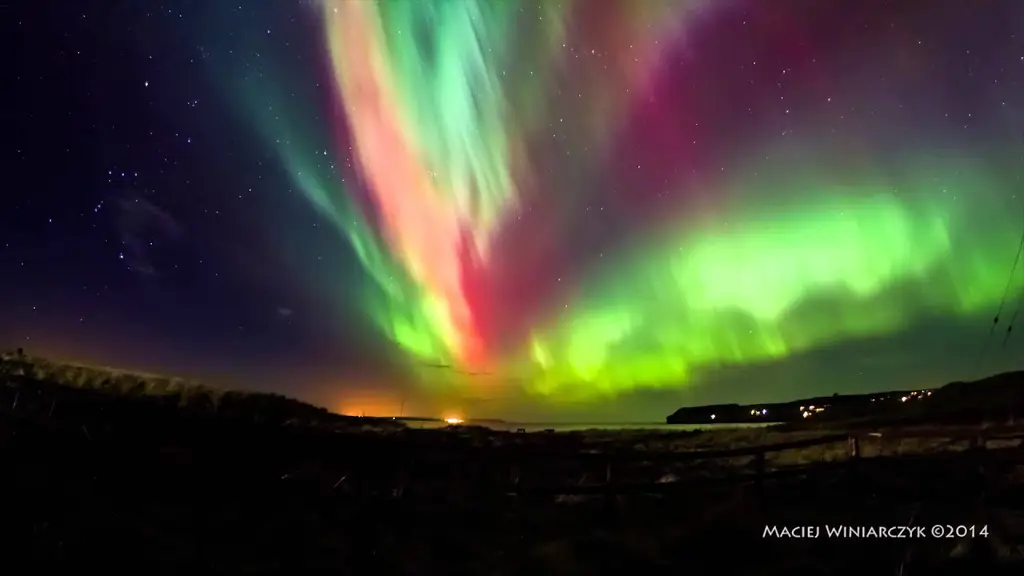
(117, 471)
(41, 384)
(999, 397)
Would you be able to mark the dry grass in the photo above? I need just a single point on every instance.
(270, 497)
(169, 391)
(106, 379)
(922, 440)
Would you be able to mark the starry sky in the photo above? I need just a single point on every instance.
(531, 210)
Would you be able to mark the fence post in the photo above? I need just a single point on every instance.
(609, 489)
(854, 464)
(759, 465)
(980, 450)
(404, 472)
(513, 474)
(978, 441)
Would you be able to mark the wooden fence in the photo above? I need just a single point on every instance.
(977, 442)
(614, 460)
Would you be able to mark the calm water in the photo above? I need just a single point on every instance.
(577, 426)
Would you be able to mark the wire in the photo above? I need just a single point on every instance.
(1002, 303)
(1020, 299)
(1013, 319)
(1009, 281)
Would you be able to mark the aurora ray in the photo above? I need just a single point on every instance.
(555, 199)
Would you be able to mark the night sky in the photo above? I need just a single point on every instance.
(575, 210)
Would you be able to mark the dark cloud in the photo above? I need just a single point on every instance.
(146, 232)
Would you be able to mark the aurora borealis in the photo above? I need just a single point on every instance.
(450, 136)
(569, 201)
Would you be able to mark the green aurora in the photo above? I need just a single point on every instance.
(795, 256)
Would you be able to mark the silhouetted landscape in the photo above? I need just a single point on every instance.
(115, 470)
(996, 398)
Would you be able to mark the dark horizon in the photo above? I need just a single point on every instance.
(459, 417)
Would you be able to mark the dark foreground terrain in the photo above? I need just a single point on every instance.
(115, 483)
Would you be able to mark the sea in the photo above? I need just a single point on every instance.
(580, 426)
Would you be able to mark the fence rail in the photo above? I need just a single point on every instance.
(757, 476)
(613, 460)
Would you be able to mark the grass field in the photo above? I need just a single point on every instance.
(104, 478)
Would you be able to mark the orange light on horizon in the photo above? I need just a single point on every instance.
(371, 406)
(452, 420)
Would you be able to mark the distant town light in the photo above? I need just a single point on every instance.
(453, 421)
(904, 399)
(712, 416)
